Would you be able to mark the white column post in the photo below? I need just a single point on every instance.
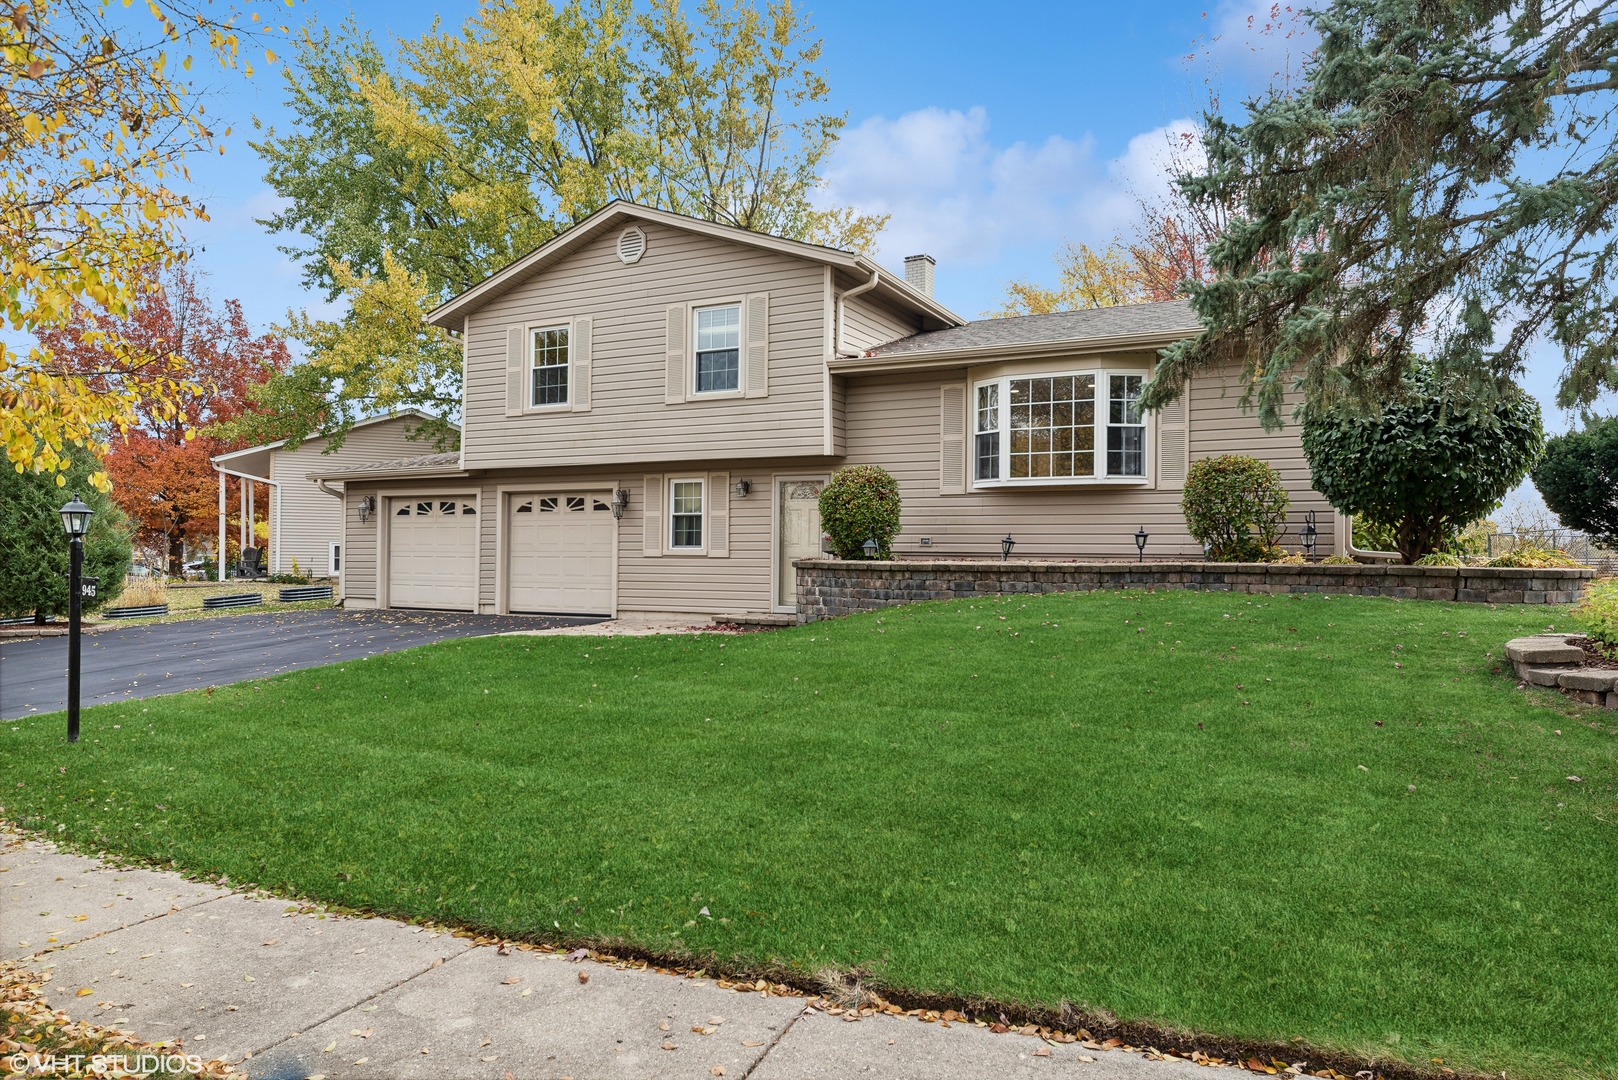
(241, 523)
(219, 556)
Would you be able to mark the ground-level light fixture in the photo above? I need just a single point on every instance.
(1141, 536)
(367, 504)
(620, 502)
(743, 487)
(75, 522)
(1005, 547)
(1310, 535)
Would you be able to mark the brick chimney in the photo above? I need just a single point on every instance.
(919, 273)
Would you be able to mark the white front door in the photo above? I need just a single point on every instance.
(560, 554)
(798, 511)
(432, 553)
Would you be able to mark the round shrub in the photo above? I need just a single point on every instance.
(859, 503)
(1425, 466)
(1596, 613)
(1237, 507)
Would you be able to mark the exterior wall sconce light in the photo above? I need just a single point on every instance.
(1310, 535)
(366, 506)
(870, 547)
(743, 487)
(1141, 536)
(620, 502)
(75, 522)
(1005, 547)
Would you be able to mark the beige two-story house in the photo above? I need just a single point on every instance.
(652, 403)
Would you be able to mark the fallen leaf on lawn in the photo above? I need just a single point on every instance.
(753, 1042)
(670, 1046)
(513, 981)
(84, 991)
(330, 1047)
(998, 1029)
(1575, 779)
(578, 954)
(1255, 1065)
(1028, 1029)
(584, 976)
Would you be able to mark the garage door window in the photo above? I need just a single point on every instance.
(685, 505)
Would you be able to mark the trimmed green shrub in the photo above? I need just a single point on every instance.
(1339, 560)
(1425, 465)
(1237, 506)
(33, 547)
(857, 504)
(1596, 613)
(1578, 478)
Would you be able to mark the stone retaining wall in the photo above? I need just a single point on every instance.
(831, 587)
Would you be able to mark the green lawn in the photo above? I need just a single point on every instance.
(1234, 814)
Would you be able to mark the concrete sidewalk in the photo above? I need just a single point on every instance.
(290, 993)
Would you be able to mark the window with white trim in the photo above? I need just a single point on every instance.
(1126, 430)
(549, 386)
(685, 515)
(1042, 429)
(719, 349)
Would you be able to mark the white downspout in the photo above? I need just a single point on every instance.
(1345, 531)
(876, 276)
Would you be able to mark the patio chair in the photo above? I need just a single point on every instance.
(248, 566)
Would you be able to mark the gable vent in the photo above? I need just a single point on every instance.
(631, 245)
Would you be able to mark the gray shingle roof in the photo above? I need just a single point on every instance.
(428, 463)
(1166, 318)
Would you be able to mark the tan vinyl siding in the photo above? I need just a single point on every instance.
(359, 550)
(310, 519)
(870, 322)
(894, 421)
(630, 419)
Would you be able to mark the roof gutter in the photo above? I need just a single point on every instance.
(876, 276)
(390, 474)
(946, 358)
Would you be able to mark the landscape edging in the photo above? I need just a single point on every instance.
(828, 588)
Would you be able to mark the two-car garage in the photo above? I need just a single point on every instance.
(559, 551)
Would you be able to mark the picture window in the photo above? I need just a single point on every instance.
(1042, 429)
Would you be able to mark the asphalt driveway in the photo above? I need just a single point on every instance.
(163, 658)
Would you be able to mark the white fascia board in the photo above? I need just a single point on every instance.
(945, 358)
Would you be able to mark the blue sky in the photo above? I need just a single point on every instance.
(991, 132)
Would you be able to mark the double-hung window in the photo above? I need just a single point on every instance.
(1042, 429)
(1126, 431)
(719, 349)
(549, 385)
(685, 515)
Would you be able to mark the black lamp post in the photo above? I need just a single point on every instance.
(1005, 547)
(76, 522)
(1310, 535)
(1141, 536)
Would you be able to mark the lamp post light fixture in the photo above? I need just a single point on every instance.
(1141, 536)
(870, 547)
(1005, 547)
(75, 522)
(1310, 535)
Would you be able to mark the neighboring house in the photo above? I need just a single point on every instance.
(306, 521)
(652, 403)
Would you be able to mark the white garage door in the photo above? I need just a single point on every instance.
(432, 555)
(561, 554)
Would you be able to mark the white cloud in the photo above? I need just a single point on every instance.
(1253, 43)
(957, 196)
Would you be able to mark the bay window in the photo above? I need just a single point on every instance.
(1042, 429)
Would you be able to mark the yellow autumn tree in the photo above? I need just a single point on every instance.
(1086, 278)
(96, 121)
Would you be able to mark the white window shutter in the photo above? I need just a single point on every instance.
(651, 513)
(952, 440)
(515, 370)
(718, 515)
(674, 373)
(1173, 444)
(578, 355)
(758, 345)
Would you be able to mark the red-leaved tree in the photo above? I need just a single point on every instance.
(159, 468)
